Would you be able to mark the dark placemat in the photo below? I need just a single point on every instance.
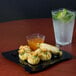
(13, 56)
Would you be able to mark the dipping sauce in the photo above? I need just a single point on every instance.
(34, 40)
(34, 43)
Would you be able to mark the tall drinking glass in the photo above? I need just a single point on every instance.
(63, 23)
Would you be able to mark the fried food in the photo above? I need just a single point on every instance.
(43, 53)
(50, 48)
(33, 58)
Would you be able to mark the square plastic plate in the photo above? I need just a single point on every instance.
(13, 56)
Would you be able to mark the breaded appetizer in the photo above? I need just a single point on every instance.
(46, 55)
(33, 58)
(38, 51)
(50, 48)
(24, 51)
(23, 56)
(26, 48)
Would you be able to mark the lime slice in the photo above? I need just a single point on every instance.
(63, 15)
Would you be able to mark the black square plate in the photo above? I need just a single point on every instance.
(13, 56)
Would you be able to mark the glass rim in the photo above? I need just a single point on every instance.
(69, 9)
(35, 35)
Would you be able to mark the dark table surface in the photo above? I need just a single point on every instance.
(13, 34)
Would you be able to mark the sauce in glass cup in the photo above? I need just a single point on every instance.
(34, 40)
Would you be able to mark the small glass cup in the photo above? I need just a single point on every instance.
(34, 40)
(63, 23)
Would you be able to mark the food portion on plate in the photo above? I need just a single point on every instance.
(37, 55)
(44, 52)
